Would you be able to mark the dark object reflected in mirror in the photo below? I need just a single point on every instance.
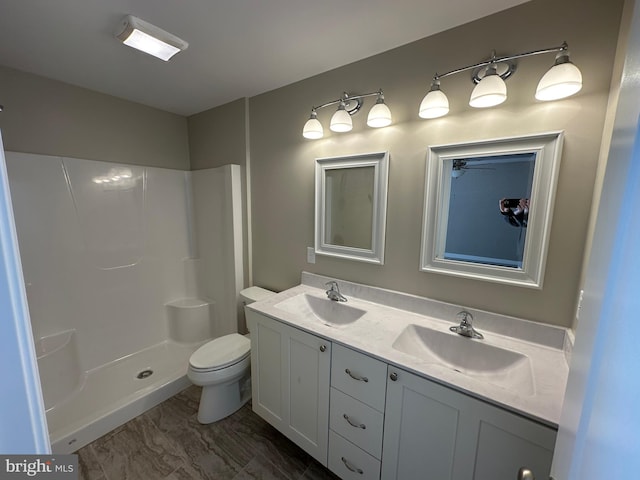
(474, 195)
(515, 211)
(488, 208)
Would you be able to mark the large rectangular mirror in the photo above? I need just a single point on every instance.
(351, 206)
(488, 208)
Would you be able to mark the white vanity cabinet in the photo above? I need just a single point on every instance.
(434, 432)
(358, 384)
(290, 372)
(368, 420)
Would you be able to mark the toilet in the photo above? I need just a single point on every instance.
(222, 368)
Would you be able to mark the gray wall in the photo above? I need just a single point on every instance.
(54, 118)
(49, 117)
(282, 162)
(217, 136)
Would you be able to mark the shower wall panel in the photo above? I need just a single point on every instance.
(217, 207)
(103, 248)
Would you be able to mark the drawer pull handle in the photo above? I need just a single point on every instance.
(350, 467)
(323, 348)
(350, 422)
(356, 377)
(393, 376)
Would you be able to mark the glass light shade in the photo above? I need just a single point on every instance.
(152, 46)
(491, 91)
(341, 121)
(435, 104)
(379, 115)
(313, 128)
(457, 173)
(560, 81)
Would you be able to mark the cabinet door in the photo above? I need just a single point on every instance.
(507, 442)
(421, 426)
(434, 432)
(307, 391)
(268, 361)
(290, 382)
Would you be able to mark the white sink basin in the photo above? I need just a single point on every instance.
(326, 311)
(474, 358)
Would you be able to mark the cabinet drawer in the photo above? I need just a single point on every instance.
(359, 376)
(349, 462)
(357, 422)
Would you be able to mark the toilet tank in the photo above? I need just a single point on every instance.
(254, 294)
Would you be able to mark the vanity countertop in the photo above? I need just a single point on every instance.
(388, 313)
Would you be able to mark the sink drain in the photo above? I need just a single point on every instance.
(144, 374)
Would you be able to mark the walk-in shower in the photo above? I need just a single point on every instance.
(111, 255)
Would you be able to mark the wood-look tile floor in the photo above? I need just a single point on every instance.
(168, 443)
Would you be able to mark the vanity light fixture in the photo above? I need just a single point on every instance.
(562, 80)
(341, 120)
(490, 91)
(148, 38)
(348, 105)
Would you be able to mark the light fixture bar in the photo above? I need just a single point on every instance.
(346, 99)
(494, 60)
(562, 80)
(379, 116)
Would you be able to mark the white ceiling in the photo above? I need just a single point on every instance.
(237, 48)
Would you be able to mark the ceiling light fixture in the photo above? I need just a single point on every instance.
(348, 105)
(148, 38)
(562, 80)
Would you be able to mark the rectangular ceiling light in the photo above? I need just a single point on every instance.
(148, 38)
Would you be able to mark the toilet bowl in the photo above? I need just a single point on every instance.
(222, 368)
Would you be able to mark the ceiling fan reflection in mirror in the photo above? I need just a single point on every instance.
(460, 166)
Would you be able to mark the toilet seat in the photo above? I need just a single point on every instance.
(220, 353)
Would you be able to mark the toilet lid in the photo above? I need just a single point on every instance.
(221, 352)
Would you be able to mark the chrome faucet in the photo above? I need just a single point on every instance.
(334, 292)
(466, 326)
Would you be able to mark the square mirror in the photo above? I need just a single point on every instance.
(351, 206)
(488, 208)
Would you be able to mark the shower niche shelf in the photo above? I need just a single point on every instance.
(190, 320)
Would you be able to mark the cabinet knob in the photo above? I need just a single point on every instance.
(323, 348)
(525, 474)
(393, 376)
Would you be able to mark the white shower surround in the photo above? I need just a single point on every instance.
(101, 261)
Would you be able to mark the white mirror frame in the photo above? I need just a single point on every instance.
(548, 148)
(380, 162)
